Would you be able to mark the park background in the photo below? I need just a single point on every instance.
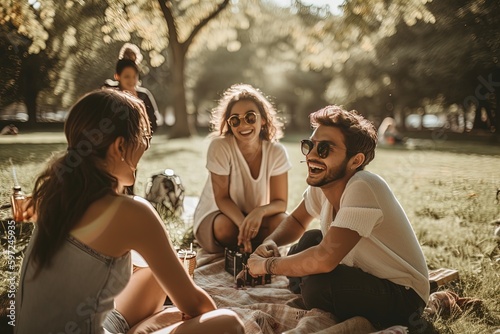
(435, 61)
(432, 66)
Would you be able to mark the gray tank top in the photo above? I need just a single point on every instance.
(73, 295)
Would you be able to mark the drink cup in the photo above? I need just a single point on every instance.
(17, 200)
(188, 260)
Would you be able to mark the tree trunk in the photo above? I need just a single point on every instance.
(181, 128)
(184, 124)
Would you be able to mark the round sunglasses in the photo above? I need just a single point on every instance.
(250, 117)
(323, 147)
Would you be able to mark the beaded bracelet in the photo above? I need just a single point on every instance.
(269, 264)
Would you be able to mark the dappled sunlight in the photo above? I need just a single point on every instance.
(432, 67)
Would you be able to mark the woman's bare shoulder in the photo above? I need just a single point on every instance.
(132, 206)
(134, 216)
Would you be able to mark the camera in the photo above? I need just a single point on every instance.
(235, 263)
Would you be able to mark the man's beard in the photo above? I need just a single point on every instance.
(333, 175)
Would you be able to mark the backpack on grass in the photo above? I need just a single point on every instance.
(166, 192)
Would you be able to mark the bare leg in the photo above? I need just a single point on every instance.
(217, 322)
(269, 224)
(225, 231)
(141, 298)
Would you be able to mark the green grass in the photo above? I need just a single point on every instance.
(447, 189)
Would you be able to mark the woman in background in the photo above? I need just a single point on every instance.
(127, 76)
(132, 52)
(246, 194)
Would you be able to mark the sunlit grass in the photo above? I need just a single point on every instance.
(447, 189)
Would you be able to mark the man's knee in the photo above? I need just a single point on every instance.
(294, 284)
(309, 239)
(312, 238)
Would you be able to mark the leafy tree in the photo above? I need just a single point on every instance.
(23, 35)
(292, 42)
(164, 24)
(311, 32)
(12, 49)
(49, 70)
(216, 71)
(343, 48)
(267, 56)
(450, 58)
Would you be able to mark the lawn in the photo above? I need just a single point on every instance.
(448, 190)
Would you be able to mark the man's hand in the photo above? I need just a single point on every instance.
(256, 265)
(267, 249)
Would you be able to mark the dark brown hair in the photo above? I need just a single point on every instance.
(78, 177)
(124, 63)
(360, 135)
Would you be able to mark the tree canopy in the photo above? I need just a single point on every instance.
(382, 57)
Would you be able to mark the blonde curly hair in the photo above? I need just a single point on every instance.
(272, 130)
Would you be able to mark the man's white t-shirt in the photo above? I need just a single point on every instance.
(225, 158)
(388, 248)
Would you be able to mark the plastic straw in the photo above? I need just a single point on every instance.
(14, 174)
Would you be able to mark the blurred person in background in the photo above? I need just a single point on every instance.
(127, 78)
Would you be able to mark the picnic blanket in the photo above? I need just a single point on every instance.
(266, 309)
(270, 308)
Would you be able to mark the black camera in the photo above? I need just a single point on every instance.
(235, 263)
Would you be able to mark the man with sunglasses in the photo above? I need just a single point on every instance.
(366, 260)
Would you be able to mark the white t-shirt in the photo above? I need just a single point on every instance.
(388, 248)
(225, 158)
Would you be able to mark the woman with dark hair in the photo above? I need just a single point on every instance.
(245, 196)
(132, 52)
(76, 274)
(127, 76)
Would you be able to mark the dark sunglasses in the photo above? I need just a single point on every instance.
(323, 147)
(249, 118)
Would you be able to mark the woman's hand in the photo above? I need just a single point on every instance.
(29, 214)
(250, 228)
(256, 265)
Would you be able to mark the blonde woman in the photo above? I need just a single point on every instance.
(245, 196)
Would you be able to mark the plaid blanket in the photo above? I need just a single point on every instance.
(269, 308)
(266, 309)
